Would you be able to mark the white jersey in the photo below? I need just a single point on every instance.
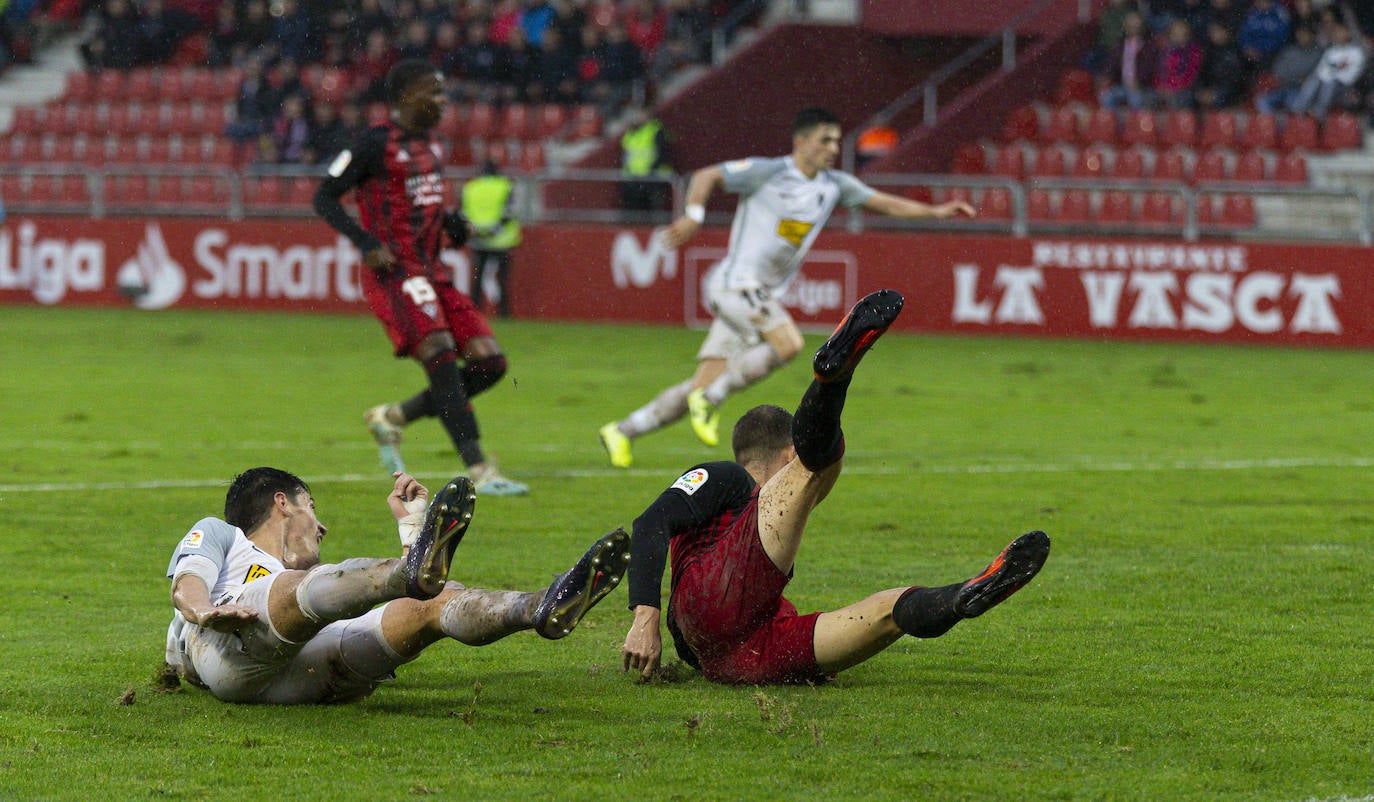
(238, 560)
(780, 214)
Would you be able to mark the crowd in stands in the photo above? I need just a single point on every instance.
(1285, 56)
(602, 52)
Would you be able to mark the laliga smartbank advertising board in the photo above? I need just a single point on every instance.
(1281, 294)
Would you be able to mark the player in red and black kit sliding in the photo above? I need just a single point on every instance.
(395, 171)
(733, 529)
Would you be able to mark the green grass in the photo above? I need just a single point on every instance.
(1201, 631)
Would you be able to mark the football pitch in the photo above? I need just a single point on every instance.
(1201, 630)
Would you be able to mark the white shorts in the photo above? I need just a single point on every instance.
(741, 317)
(344, 662)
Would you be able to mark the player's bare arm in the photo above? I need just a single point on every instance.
(699, 189)
(192, 599)
(905, 208)
(644, 644)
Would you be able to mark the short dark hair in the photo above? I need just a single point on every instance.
(400, 77)
(811, 117)
(761, 433)
(249, 499)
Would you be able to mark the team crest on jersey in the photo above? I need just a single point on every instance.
(692, 481)
(738, 165)
(193, 539)
(794, 231)
(255, 571)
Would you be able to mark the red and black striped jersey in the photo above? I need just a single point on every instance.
(397, 178)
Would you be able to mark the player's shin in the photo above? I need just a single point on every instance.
(477, 617)
(348, 589)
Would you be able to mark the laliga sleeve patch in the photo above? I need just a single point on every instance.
(193, 539)
(737, 166)
(340, 163)
(692, 481)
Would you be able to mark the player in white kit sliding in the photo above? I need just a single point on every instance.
(258, 619)
(784, 203)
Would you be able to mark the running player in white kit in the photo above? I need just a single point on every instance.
(784, 204)
(258, 619)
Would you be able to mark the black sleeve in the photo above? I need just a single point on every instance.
(675, 510)
(355, 164)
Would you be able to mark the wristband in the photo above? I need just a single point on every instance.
(695, 212)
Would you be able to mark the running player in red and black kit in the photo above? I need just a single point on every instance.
(395, 171)
(733, 529)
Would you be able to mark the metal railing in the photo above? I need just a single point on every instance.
(1271, 211)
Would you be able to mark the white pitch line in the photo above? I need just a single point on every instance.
(1084, 466)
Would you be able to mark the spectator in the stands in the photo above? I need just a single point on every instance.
(329, 134)
(161, 30)
(555, 71)
(505, 19)
(689, 25)
(480, 58)
(116, 42)
(448, 50)
(433, 12)
(1264, 29)
(290, 138)
(1294, 63)
(369, 70)
(1127, 81)
(645, 25)
(517, 67)
(415, 42)
(1221, 83)
(621, 65)
(535, 18)
(570, 18)
(295, 35)
(255, 27)
(370, 18)
(1303, 13)
(1180, 62)
(253, 107)
(1229, 13)
(225, 46)
(1341, 65)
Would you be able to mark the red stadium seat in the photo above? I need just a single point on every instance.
(159, 151)
(450, 122)
(80, 119)
(1140, 128)
(1171, 165)
(553, 118)
(80, 87)
(1062, 127)
(1093, 162)
(1129, 165)
(65, 150)
(1049, 163)
(969, 159)
(141, 85)
(63, 191)
(460, 152)
(996, 204)
(1075, 86)
(1101, 128)
(586, 123)
(1220, 128)
(262, 191)
(1022, 124)
(1207, 215)
(213, 119)
(515, 121)
(1075, 206)
(109, 86)
(947, 194)
(220, 153)
(1180, 128)
(1116, 207)
(1261, 132)
(128, 190)
(19, 149)
(482, 122)
(1160, 208)
(1250, 167)
(1010, 162)
(498, 153)
(27, 120)
(1291, 168)
(1342, 131)
(13, 187)
(300, 192)
(124, 152)
(1211, 165)
(532, 157)
(1237, 211)
(1038, 206)
(1299, 132)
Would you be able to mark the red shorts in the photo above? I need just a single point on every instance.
(729, 607)
(411, 308)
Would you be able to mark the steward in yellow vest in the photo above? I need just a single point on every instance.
(488, 204)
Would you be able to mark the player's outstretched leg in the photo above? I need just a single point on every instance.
(578, 589)
(387, 435)
(861, 328)
(427, 564)
(1018, 563)
(617, 445)
(705, 417)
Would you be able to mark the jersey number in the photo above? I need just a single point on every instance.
(420, 290)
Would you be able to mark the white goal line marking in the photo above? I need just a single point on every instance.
(1084, 466)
